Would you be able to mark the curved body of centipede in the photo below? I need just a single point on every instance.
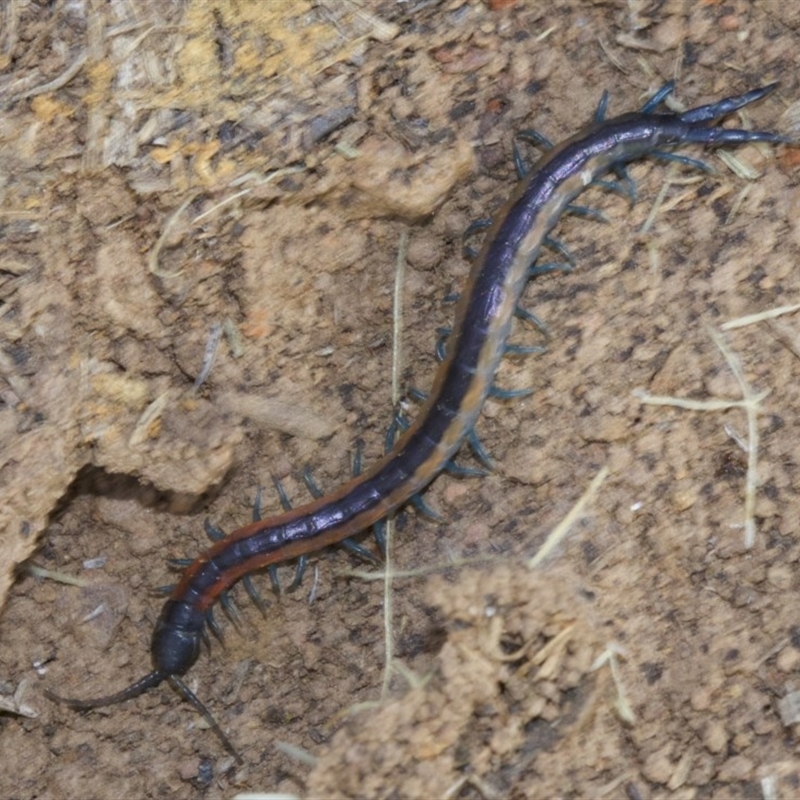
(483, 320)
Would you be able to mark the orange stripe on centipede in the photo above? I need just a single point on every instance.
(483, 320)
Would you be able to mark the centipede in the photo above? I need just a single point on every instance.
(507, 261)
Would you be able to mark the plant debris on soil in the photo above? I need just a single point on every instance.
(201, 209)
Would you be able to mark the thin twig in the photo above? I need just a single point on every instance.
(152, 258)
(61, 80)
(750, 402)
(751, 319)
(751, 409)
(397, 359)
(558, 533)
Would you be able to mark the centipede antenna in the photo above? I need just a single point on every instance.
(187, 694)
(149, 681)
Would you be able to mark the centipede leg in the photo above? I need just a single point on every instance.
(187, 694)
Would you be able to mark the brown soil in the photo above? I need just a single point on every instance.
(171, 172)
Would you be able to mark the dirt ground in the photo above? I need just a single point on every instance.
(201, 209)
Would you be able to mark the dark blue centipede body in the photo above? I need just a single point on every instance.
(464, 380)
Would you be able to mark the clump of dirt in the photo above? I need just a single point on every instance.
(516, 679)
